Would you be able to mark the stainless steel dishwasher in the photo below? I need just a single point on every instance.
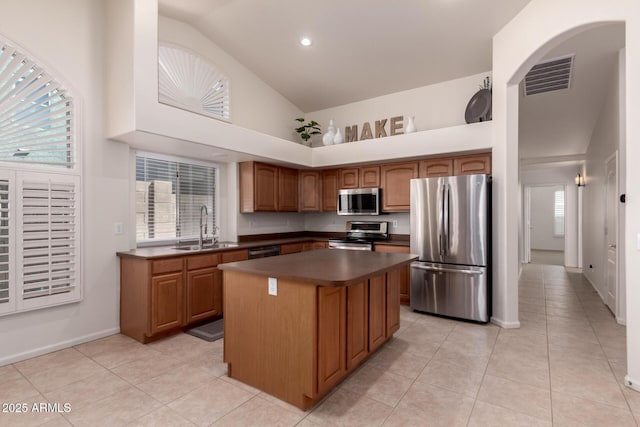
(264, 251)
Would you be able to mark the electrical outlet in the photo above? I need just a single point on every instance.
(395, 223)
(273, 286)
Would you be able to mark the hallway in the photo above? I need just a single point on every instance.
(567, 327)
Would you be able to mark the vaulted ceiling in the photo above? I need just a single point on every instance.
(366, 48)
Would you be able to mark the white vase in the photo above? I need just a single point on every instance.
(331, 127)
(327, 138)
(411, 126)
(338, 138)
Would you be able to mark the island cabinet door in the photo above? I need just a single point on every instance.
(332, 325)
(377, 312)
(357, 320)
(167, 302)
(393, 301)
(204, 294)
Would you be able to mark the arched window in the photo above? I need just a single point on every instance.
(39, 187)
(188, 81)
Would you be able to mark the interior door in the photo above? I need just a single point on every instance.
(611, 231)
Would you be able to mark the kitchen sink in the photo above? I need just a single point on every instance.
(219, 245)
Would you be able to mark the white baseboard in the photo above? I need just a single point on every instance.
(505, 325)
(631, 383)
(574, 270)
(621, 321)
(58, 346)
(595, 288)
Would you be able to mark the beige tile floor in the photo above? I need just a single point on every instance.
(563, 367)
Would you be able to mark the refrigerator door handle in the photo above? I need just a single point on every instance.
(445, 220)
(447, 270)
(441, 224)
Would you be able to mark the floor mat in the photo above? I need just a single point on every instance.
(209, 331)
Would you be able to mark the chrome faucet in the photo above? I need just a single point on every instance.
(203, 226)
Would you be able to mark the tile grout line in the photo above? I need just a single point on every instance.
(546, 323)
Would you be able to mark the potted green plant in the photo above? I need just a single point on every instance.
(306, 130)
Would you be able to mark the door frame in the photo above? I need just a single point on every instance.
(616, 214)
(527, 219)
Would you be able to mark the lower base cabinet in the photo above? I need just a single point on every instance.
(307, 349)
(159, 297)
(405, 272)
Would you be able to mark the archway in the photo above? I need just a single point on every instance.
(542, 25)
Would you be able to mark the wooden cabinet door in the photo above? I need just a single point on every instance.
(332, 328)
(377, 312)
(392, 323)
(395, 178)
(405, 272)
(349, 178)
(469, 165)
(330, 190)
(435, 167)
(369, 176)
(204, 294)
(265, 181)
(310, 191)
(357, 320)
(167, 302)
(287, 190)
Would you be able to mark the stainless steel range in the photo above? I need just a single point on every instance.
(361, 235)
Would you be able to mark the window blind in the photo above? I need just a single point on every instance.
(558, 213)
(36, 114)
(169, 196)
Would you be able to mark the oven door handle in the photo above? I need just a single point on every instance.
(447, 270)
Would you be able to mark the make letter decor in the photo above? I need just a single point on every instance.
(395, 128)
(351, 133)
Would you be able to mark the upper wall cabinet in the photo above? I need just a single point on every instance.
(267, 188)
(330, 190)
(469, 165)
(435, 167)
(362, 177)
(310, 196)
(395, 179)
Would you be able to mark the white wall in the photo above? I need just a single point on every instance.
(542, 219)
(604, 142)
(435, 106)
(254, 104)
(73, 52)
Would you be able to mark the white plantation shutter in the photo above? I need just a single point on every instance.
(48, 240)
(7, 300)
(36, 113)
(40, 205)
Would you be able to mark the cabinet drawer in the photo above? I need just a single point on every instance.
(392, 248)
(291, 248)
(202, 261)
(166, 265)
(232, 256)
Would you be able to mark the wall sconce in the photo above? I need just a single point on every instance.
(580, 180)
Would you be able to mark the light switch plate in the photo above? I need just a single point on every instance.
(117, 228)
(639, 241)
(273, 286)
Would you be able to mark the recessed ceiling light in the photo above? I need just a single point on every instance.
(305, 41)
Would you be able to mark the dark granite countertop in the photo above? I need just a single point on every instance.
(325, 267)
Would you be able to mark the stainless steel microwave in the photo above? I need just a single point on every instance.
(359, 201)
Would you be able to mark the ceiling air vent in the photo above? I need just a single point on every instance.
(548, 76)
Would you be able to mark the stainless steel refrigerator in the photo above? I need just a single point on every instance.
(450, 231)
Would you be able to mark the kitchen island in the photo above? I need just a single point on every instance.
(296, 325)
